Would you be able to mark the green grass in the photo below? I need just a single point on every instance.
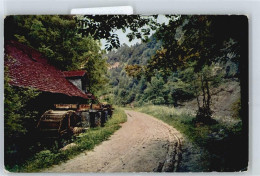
(85, 141)
(180, 120)
(225, 147)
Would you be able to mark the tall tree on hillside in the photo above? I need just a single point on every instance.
(197, 42)
(188, 48)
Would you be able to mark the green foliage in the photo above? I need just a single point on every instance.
(85, 141)
(236, 108)
(54, 36)
(138, 54)
(102, 26)
(184, 74)
(155, 91)
(191, 47)
(96, 67)
(181, 121)
(181, 86)
(15, 111)
(127, 90)
(19, 119)
(57, 38)
(135, 71)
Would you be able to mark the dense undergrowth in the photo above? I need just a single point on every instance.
(224, 146)
(85, 141)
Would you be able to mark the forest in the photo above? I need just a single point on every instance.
(192, 63)
(174, 67)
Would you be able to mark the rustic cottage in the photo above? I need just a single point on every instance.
(28, 68)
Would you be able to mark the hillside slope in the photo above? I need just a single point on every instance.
(224, 98)
(160, 90)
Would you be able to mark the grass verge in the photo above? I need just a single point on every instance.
(224, 147)
(85, 141)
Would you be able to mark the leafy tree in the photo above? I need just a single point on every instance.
(155, 91)
(56, 37)
(135, 71)
(180, 87)
(102, 27)
(196, 42)
(92, 61)
(231, 33)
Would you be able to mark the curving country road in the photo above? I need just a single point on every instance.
(143, 144)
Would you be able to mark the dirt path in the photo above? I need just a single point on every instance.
(143, 144)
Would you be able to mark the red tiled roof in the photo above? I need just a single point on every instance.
(75, 73)
(29, 68)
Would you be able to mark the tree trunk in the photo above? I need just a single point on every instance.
(203, 93)
(198, 102)
(208, 96)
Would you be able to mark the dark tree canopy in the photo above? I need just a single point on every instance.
(200, 38)
(199, 42)
(103, 26)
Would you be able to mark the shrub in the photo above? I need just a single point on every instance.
(236, 108)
